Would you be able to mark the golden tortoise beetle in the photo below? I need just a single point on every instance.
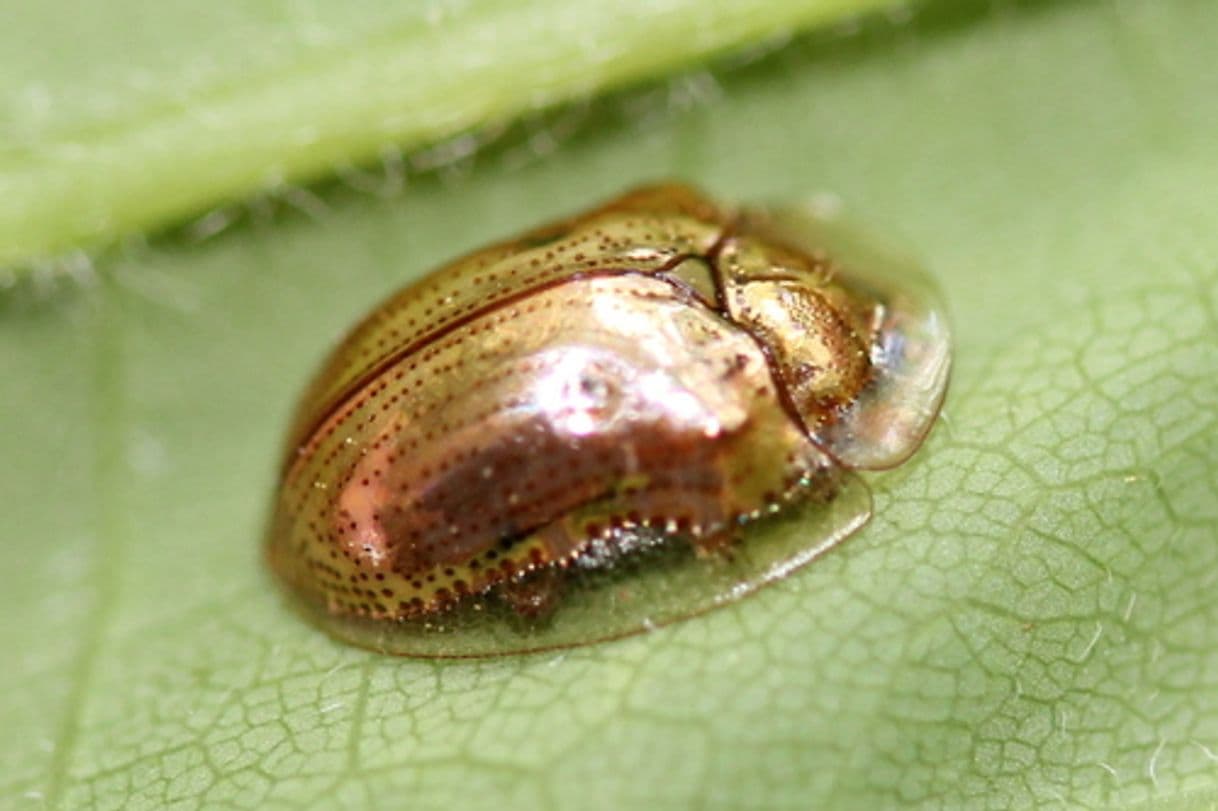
(557, 439)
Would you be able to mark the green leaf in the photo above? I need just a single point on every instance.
(1029, 620)
(116, 118)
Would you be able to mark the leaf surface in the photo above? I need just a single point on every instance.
(116, 117)
(1029, 621)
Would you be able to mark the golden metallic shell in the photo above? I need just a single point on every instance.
(558, 439)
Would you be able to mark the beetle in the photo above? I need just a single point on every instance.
(563, 437)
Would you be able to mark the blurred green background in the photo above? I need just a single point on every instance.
(1030, 619)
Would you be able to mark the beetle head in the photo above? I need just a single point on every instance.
(816, 335)
(855, 337)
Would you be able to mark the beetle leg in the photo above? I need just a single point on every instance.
(718, 542)
(535, 595)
